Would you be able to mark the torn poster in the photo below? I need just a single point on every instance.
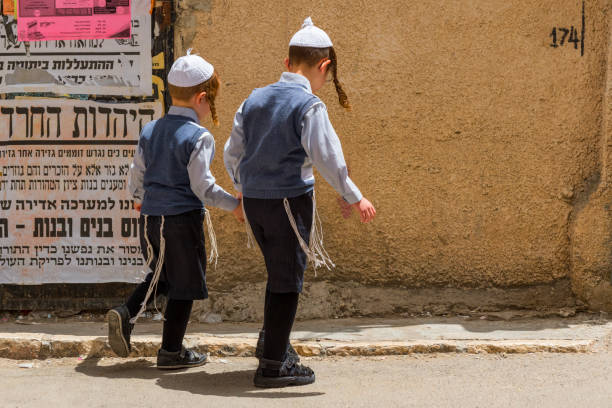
(66, 215)
(98, 66)
(43, 20)
(8, 7)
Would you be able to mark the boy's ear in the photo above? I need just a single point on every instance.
(201, 96)
(286, 62)
(324, 64)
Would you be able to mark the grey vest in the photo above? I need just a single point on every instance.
(273, 159)
(167, 145)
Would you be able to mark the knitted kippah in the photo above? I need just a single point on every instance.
(190, 70)
(310, 36)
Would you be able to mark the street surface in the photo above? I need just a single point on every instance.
(427, 380)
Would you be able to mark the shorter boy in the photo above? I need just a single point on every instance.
(171, 176)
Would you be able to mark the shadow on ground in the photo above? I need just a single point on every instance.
(201, 381)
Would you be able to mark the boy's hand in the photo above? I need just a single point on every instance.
(345, 208)
(365, 209)
(238, 214)
(137, 206)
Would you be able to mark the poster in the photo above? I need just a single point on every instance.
(8, 7)
(65, 212)
(96, 66)
(43, 20)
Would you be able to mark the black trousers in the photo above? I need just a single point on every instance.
(284, 257)
(183, 275)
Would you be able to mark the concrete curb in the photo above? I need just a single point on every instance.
(29, 348)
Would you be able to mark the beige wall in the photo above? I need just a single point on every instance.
(480, 145)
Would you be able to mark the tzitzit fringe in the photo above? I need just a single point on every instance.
(249, 231)
(149, 246)
(315, 252)
(212, 237)
(158, 268)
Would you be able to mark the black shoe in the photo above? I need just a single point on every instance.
(168, 360)
(119, 330)
(291, 353)
(283, 374)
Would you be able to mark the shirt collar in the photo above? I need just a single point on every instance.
(296, 79)
(181, 111)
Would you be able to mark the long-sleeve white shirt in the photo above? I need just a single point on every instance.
(202, 182)
(319, 140)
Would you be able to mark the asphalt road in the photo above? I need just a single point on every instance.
(437, 380)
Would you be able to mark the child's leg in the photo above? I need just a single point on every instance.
(259, 350)
(185, 262)
(172, 354)
(153, 233)
(285, 263)
(260, 338)
(279, 317)
(177, 317)
(137, 297)
(266, 306)
(119, 326)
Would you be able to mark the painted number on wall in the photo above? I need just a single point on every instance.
(573, 36)
(562, 36)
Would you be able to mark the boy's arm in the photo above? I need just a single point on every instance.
(234, 149)
(136, 176)
(321, 143)
(202, 181)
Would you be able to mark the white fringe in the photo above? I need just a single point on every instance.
(149, 246)
(158, 268)
(212, 238)
(249, 231)
(315, 252)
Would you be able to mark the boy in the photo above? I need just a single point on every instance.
(171, 176)
(279, 132)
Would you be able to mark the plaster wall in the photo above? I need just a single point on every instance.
(481, 145)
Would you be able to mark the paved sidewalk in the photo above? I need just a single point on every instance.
(363, 337)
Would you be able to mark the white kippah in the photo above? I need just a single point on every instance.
(190, 70)
(310, 36)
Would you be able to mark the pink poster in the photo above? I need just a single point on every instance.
(41, 20)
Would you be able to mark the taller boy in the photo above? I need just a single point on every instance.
(279, 132)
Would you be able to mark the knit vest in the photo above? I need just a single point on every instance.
(167, 145)
(274, 156)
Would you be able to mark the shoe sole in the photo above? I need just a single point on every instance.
(115, 334)
(178, 367)
(280, 382)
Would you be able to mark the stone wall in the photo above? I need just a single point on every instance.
(483, 147)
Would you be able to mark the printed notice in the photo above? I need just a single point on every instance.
(43, 20)
(98, 66)
(65, 212)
